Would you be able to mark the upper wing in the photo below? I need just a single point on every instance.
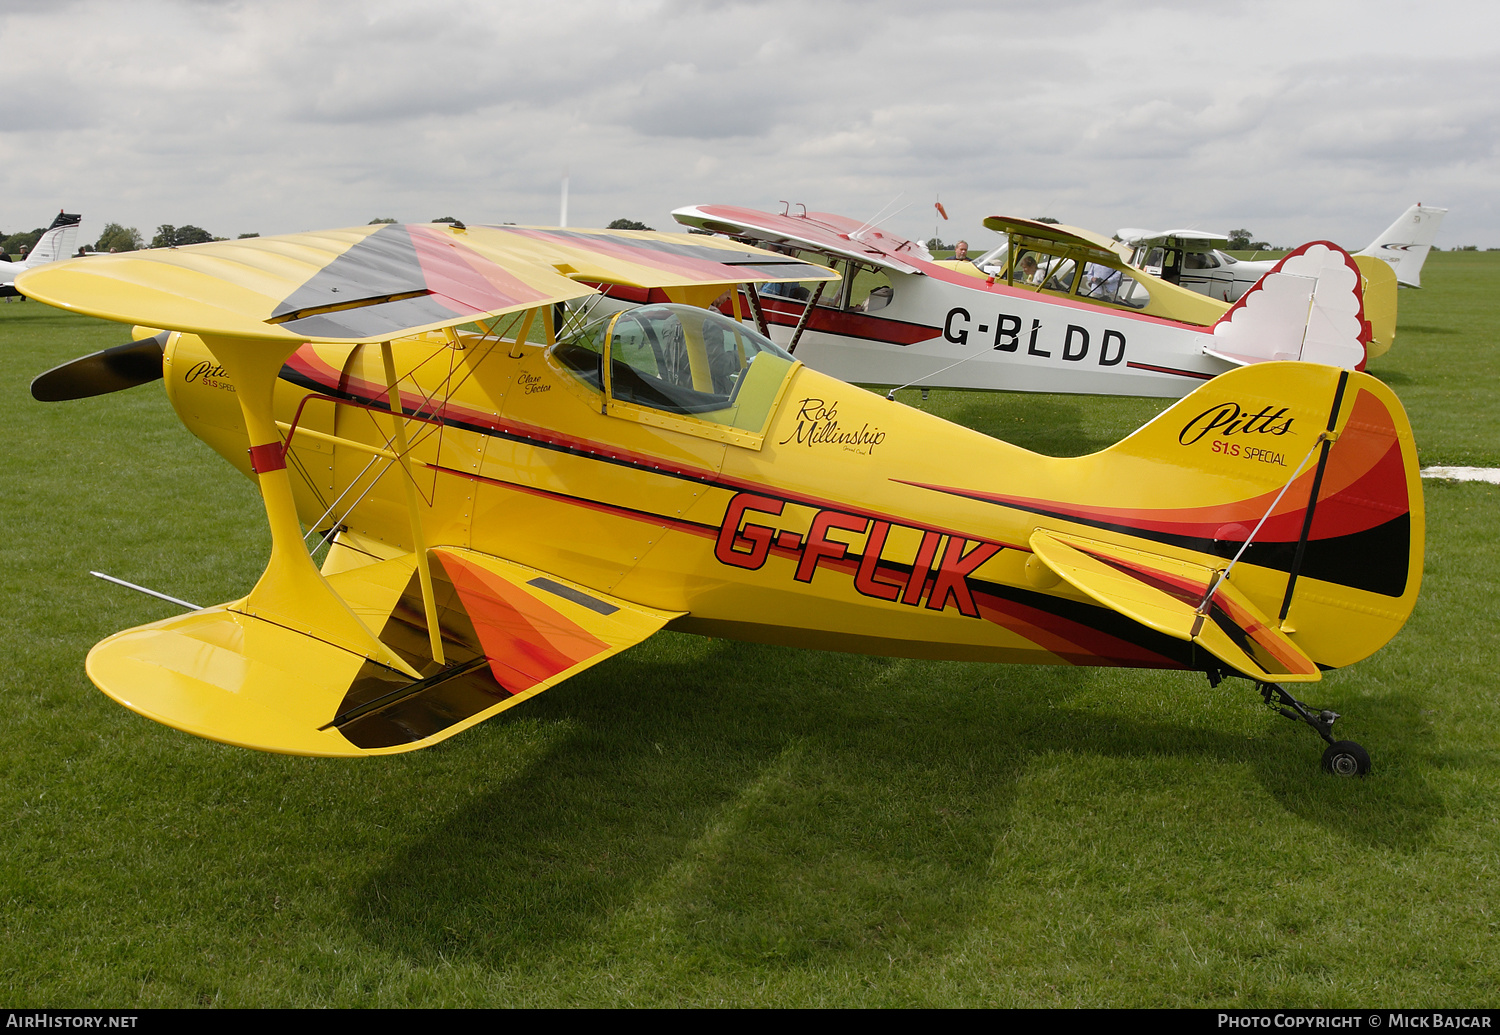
(509, 632)
(824, 232)
(1102, 248)
(647, 259)
(375, 283)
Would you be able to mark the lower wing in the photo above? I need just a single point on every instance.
(508, 633)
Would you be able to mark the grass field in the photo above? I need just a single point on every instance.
(702, 822)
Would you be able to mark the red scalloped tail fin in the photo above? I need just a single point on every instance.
(1309, 307)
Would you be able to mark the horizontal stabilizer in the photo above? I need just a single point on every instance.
(1166, 594)
(508, 633)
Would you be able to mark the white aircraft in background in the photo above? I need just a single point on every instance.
(56, 242)
(1193, 259)
(1082, 322)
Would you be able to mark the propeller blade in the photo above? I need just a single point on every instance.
(100, 373)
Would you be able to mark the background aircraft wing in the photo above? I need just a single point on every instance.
(832, 235)
(1207, 239)
(1103, 248)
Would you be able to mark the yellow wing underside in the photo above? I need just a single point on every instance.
(509, 632)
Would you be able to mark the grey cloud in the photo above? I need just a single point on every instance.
(282, 116)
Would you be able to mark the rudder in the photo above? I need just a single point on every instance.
(1313, 466)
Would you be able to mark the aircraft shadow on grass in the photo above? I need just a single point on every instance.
(825, 810)
(1420, 329)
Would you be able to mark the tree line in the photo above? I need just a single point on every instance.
(117, 237)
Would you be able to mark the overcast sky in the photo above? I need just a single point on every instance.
(1297, 120)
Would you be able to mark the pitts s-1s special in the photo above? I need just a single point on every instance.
(507, 506)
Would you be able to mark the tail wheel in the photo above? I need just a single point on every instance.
(1346, 758)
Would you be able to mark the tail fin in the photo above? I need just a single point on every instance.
(1405, 243)
(1313, 467)
(1310, 306)
(57, 240)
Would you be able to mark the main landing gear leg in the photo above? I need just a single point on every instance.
(1343, 757)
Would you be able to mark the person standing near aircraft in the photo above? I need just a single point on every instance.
(961, 252)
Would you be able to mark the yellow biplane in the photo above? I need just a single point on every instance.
(507, 505)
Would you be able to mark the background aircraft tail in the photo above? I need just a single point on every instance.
(1310, 306)
(58, 241)
(1405, 243)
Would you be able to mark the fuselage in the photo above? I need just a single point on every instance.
(1206, 271)
(842, 521)
(947, 329)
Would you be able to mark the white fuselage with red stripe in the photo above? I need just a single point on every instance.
(947, 330)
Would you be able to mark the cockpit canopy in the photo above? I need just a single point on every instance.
(679, 359)
(1052, 267)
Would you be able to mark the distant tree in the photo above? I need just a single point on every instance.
(935, 244)
(15, 243)
(445, 219)
(628, 224)
(169, 236)
(383, 219)
(243, 236)
(117, 238)
(1047, 219)
(710, 233)
(1239, 241)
